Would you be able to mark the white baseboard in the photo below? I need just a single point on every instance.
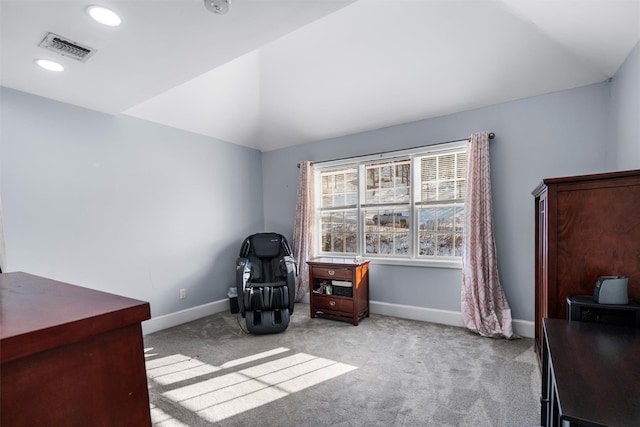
(444, 317)
(524, 328)
(183, 316)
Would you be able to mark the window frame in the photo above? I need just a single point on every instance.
(414, 154)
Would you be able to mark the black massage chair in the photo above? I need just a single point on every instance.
(265, 277)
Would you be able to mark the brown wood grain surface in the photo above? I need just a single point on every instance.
(585, 226)
(71, 356)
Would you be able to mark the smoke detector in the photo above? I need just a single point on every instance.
(66, 47)
(219, 7)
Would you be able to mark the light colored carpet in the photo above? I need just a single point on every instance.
(384, 372)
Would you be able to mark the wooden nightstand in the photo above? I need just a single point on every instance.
(339, 289)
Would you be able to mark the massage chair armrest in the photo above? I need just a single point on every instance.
(243, 273)
(292, 272)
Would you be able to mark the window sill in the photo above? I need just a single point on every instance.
(428, 263)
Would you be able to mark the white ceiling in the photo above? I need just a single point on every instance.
(275, 73)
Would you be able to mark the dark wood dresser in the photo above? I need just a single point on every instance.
(70, 356)
(585, 227)
(339, 289)
(590, 375)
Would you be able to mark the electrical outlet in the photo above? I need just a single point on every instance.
(183, 293)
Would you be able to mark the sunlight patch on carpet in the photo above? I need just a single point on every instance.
(181, 369)
(159, 418)
(232, 393)
(254, 357)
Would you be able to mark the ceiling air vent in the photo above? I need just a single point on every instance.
(66, 47)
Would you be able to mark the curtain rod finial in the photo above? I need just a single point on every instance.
(492, 135)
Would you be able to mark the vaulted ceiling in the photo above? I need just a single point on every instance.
(274, 73)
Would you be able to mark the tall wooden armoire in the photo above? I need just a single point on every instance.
(586, 226)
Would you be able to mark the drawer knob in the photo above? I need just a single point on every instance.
(332, 303)
(331, 272)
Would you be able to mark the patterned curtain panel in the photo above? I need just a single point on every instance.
(302, 236)
(485, 309)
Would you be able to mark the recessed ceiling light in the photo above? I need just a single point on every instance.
(49, 65)
(104, 16)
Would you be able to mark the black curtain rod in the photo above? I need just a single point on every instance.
(491, 136)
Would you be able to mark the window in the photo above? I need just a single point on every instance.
(339, 213)
(387, 202)
(406, 205)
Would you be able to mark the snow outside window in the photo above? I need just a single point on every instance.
(405, 205)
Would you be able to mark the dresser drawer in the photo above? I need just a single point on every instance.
(332, 273)
(329, 303)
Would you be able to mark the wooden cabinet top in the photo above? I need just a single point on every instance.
(585, 178)
(38, 314)
(333, 262)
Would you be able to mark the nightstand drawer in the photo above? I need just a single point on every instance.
(329, 303)
(332, 273)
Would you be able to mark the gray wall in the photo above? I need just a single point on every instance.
(124, 205)
(558, 134)
(139, 209)
(625, 112)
